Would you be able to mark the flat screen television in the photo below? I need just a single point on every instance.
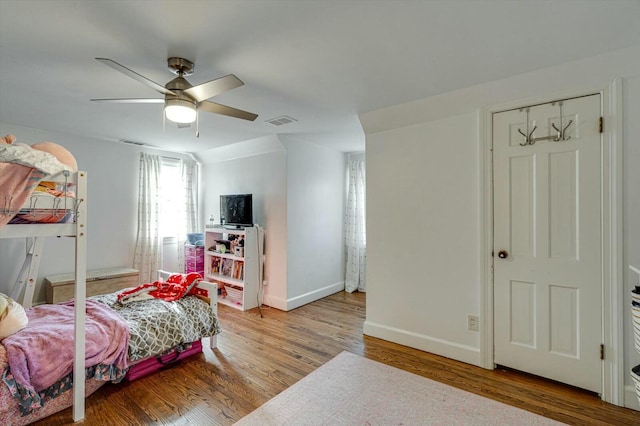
(236, 210)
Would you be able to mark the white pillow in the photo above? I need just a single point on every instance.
(13, 319)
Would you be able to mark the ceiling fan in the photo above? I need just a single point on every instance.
(181, 99)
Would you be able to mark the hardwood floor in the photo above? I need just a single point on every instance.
(258, 357)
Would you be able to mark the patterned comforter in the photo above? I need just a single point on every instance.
(155, 326)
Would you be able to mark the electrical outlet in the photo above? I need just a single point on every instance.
(473, 323)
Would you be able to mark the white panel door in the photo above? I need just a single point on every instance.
(547, 242)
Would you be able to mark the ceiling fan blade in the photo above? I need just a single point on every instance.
(142, 79)
(131, 101)
(214, 87)
(226, 110)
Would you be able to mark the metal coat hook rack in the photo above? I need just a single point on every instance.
(561, 133)
(559, 136)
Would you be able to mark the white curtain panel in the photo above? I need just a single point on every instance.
(189, 176)
(355, 231)
(148, 252)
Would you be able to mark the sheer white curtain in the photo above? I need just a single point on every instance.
(189, 211)
(148, 252)
(355, 231)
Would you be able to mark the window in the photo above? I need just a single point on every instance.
(171, 189)
(167, 211)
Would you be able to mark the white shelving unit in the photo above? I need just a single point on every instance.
(239, 274)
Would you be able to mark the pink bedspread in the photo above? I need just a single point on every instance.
(42, 353)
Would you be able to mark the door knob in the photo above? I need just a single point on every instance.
(503, 254)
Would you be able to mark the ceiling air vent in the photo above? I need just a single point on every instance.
(132, 142)
(282, 120)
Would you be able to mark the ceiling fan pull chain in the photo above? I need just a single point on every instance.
(197, 124)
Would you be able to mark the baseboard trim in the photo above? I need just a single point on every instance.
(275, 302)
(631, 398)
(434, 345)
(314, 295)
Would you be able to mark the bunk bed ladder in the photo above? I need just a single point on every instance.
(27, 277)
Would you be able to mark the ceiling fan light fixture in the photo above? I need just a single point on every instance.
(182, 100)
(180, 111)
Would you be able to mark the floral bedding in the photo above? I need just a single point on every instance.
(12, 413)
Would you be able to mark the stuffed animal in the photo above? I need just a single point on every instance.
(8, 140)
(61, 153)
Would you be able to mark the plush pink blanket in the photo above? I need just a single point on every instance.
(17, 182)
(42, 353)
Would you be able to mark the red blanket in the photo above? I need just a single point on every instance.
(175, 288)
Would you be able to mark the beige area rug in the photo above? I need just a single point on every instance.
(353, 390)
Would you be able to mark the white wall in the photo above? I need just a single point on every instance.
(112, 170)
(356, 156)
(423, 236)
(315, 221)
(298, 196)
(255, 167)
(430, 147)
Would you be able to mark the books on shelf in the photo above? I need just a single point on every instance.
(215, 265)
(226, 268)
(238, 270)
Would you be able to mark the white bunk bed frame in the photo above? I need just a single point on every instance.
(35, 234)
(26, 280)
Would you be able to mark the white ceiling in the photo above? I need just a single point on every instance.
(320, 62)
